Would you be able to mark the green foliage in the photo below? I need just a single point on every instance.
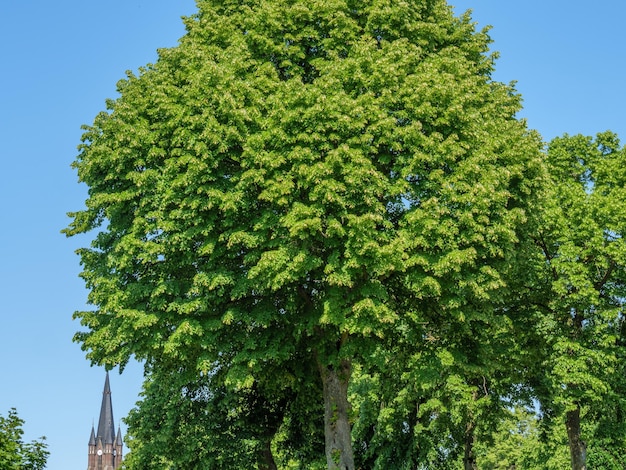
(186, 421)
(16, 454)
(517, 442)
(606, 458)
(522, 440)
(190, 425)
(307, 183)
(235, 199)
(585, 251)
(585, 259)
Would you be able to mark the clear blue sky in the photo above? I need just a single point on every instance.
(60, 60)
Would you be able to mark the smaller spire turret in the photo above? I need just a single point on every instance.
(118, 437)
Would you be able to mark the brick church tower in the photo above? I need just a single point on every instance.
(105, 445)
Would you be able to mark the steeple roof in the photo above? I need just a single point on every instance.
(92, 438)
(118, 439)
(106, 426)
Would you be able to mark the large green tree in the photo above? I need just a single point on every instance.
(288, 180)
(15, 454)
(582, 291)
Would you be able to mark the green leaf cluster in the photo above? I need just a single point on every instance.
(15, 454)
(281, 178)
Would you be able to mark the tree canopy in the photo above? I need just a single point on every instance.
(583, 283)
(299, 185)
(15, 454)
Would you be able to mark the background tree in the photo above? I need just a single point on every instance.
(518, 443)
(431, 405)
(292, 176)
(582, 265)
(15, 454)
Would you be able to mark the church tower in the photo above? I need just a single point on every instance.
(105, 445)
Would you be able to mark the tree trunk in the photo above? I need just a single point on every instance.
(266, 458)
(469, 459)
(577, 447)
(337, 433)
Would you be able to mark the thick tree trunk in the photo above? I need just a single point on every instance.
(577, 447)
(337, 433)
(469, 459)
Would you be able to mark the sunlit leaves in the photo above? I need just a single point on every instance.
(586, 256)
(581, 281)
(305, 182)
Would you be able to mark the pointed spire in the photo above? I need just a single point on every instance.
(118, 439)
(92, 438)
(106, 426)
